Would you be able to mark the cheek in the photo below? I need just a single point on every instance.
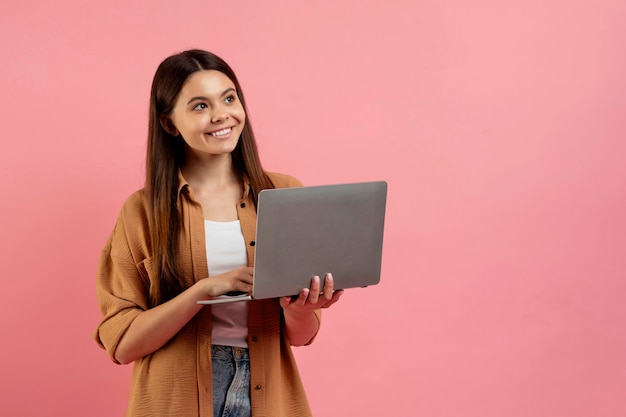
(241, 115)
(196, 124)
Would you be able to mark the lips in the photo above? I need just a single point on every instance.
(220, 133)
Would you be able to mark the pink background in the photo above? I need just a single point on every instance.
(498, 125)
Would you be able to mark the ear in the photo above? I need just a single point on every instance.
(168, 125)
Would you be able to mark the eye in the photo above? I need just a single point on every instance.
(230, 99)
(200, 106)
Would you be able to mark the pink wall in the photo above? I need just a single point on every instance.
(498, 125)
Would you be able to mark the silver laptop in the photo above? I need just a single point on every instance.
(308, 231)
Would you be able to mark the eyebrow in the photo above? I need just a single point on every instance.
(228, 90)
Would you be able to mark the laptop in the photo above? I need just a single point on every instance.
(307, 231)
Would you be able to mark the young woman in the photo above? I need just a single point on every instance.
(189, 235)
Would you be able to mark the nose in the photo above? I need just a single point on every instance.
(219, 114)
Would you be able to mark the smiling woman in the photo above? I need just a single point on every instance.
(208, 115)
(188, 235)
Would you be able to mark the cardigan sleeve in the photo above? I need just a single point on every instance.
(122, 285)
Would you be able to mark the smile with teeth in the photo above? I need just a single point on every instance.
(222, 132)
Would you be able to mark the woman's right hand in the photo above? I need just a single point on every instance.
(237, 280)
(156, 326)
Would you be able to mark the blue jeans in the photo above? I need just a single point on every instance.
(231, 381)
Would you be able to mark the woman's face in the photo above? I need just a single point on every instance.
(208, 114)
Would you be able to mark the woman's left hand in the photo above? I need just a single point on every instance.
(301, 322)
(312, 298)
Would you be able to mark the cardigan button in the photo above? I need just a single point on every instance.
(255, 339)
(252, 243)
(242, 205)
(258, 387)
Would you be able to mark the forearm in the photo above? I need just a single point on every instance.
(300, 328)
(155, 327)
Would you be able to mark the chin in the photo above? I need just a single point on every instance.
(225, 150)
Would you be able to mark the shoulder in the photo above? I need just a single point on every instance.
(283, 180)
(133, 217)
(129, 241)
(135, 206)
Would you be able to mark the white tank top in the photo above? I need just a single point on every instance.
(225, 251)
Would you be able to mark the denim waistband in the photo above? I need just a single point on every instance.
(230, 352)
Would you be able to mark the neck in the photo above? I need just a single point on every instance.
(209, 172)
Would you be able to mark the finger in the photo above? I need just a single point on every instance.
(302, 297)
(334, 299)
(329, 285)
(243, 286)
(314, 293)
(248, 275)
(285, 301)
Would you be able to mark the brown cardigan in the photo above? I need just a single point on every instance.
(176, 379)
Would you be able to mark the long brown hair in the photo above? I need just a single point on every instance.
(165, 156)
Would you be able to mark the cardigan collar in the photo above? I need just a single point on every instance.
(184, 185)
